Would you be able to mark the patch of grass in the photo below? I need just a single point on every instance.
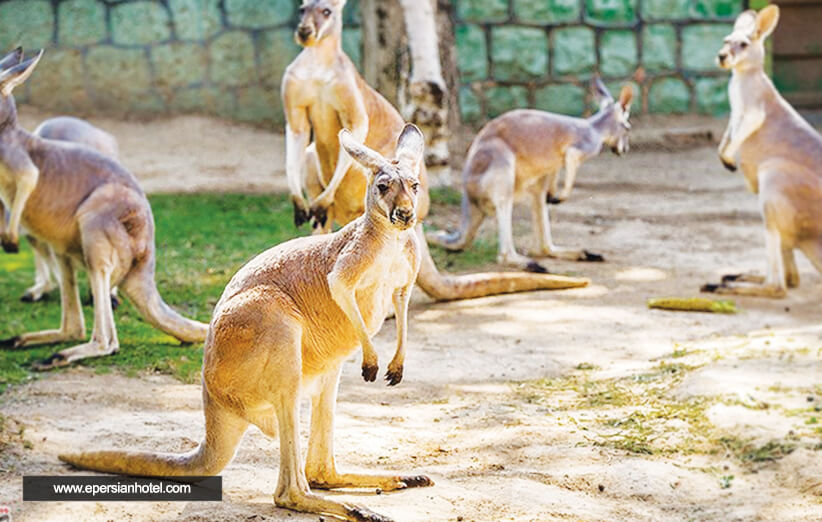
(445, 196)
(747, 452)
(201, 242)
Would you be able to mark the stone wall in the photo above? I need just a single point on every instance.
(226, 57)
(543, 53)
(144, 57)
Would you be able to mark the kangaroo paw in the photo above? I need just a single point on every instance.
(553, 200)
(115, 302)
(318, 216)
(369, 373)
(591, 257)
(417, 481)
(535, 267)
(300, 215)
(393, 376)
(28, 297)
(730, 278)
(56, 360)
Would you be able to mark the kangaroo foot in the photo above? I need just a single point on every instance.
(9, 246)
(11, 342)
(591, 257)
(537, 268)
(55, 360)
(393, 376)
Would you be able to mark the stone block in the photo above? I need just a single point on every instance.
(574, 51)
(617, 53)
(659, 47)
(139, 23)
(561, 98)
(711, 95)
(546, 11)
(470, 105)
(256, 14)
(669, 95)
(80, 22)
(232, 59)
(276, 49)
(503, 99)
(472, 54)
(519, 53)
(610, 12)
(29, 23)
(700, 43)
(195, 19)
(178, 64)
(482, 10)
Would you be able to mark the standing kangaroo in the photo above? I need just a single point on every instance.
(93, 214)
(520, 154)
(286, 322)
(780, 155)
(75, 130)
(323, 93)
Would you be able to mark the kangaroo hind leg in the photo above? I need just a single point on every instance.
(320, 467)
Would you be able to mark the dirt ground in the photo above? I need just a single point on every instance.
(569, 405)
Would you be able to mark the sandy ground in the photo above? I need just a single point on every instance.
(496, 404)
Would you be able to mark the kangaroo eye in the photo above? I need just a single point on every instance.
(383, 188)
(743, 45)
(415, 187)
(301, 11)
(326, 12)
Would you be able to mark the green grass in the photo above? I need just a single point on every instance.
(202, 239)
(201, 242)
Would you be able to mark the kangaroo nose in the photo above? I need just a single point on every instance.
(303, 32)
(403, 215)
(722, 57)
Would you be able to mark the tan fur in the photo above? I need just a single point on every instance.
(518, 156)
(779, 154)
(75, 130)
(285, 323)
(92, 213)
(323, 93)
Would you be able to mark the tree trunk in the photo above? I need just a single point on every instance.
(403, 57)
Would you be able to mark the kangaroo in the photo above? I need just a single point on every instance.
(93, 214)
(64, 128)
(285, 323)
(779, 154)
(323, 93)
(519, 155)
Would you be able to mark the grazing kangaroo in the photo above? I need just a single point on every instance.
(285, 323)
(519, 155)
(780, 155)
(93, 214)
(323, 93)
(75, 130)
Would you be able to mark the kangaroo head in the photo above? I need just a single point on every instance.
(393, 185)
(616, 116)
(317, 20)
(745, 47)
(13, 72)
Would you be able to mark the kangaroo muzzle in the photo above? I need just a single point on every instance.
(304, 33)
(403, 217)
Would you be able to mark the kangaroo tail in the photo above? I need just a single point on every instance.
(469, 224)
(444, 287)
(140, 287)
(223, 433)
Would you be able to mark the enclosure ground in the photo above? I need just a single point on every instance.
(571, 405)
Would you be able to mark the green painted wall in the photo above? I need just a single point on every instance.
(226, 57)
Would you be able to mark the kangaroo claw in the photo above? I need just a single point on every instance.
(11, 247)
(318, 215)
(369, 373)
(417, 481)
(730, 165)
(300, 214)
(535, 267)
(393, 377)
(361, 514)
(729, 278)
(710, 287)
(553, 200)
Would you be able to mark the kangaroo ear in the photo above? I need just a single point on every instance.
(11, 78)
(410, 146)
(746, 23)
(11, 59)
(766, 21)
(363, 155)
(626, 95)
(601, 93)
